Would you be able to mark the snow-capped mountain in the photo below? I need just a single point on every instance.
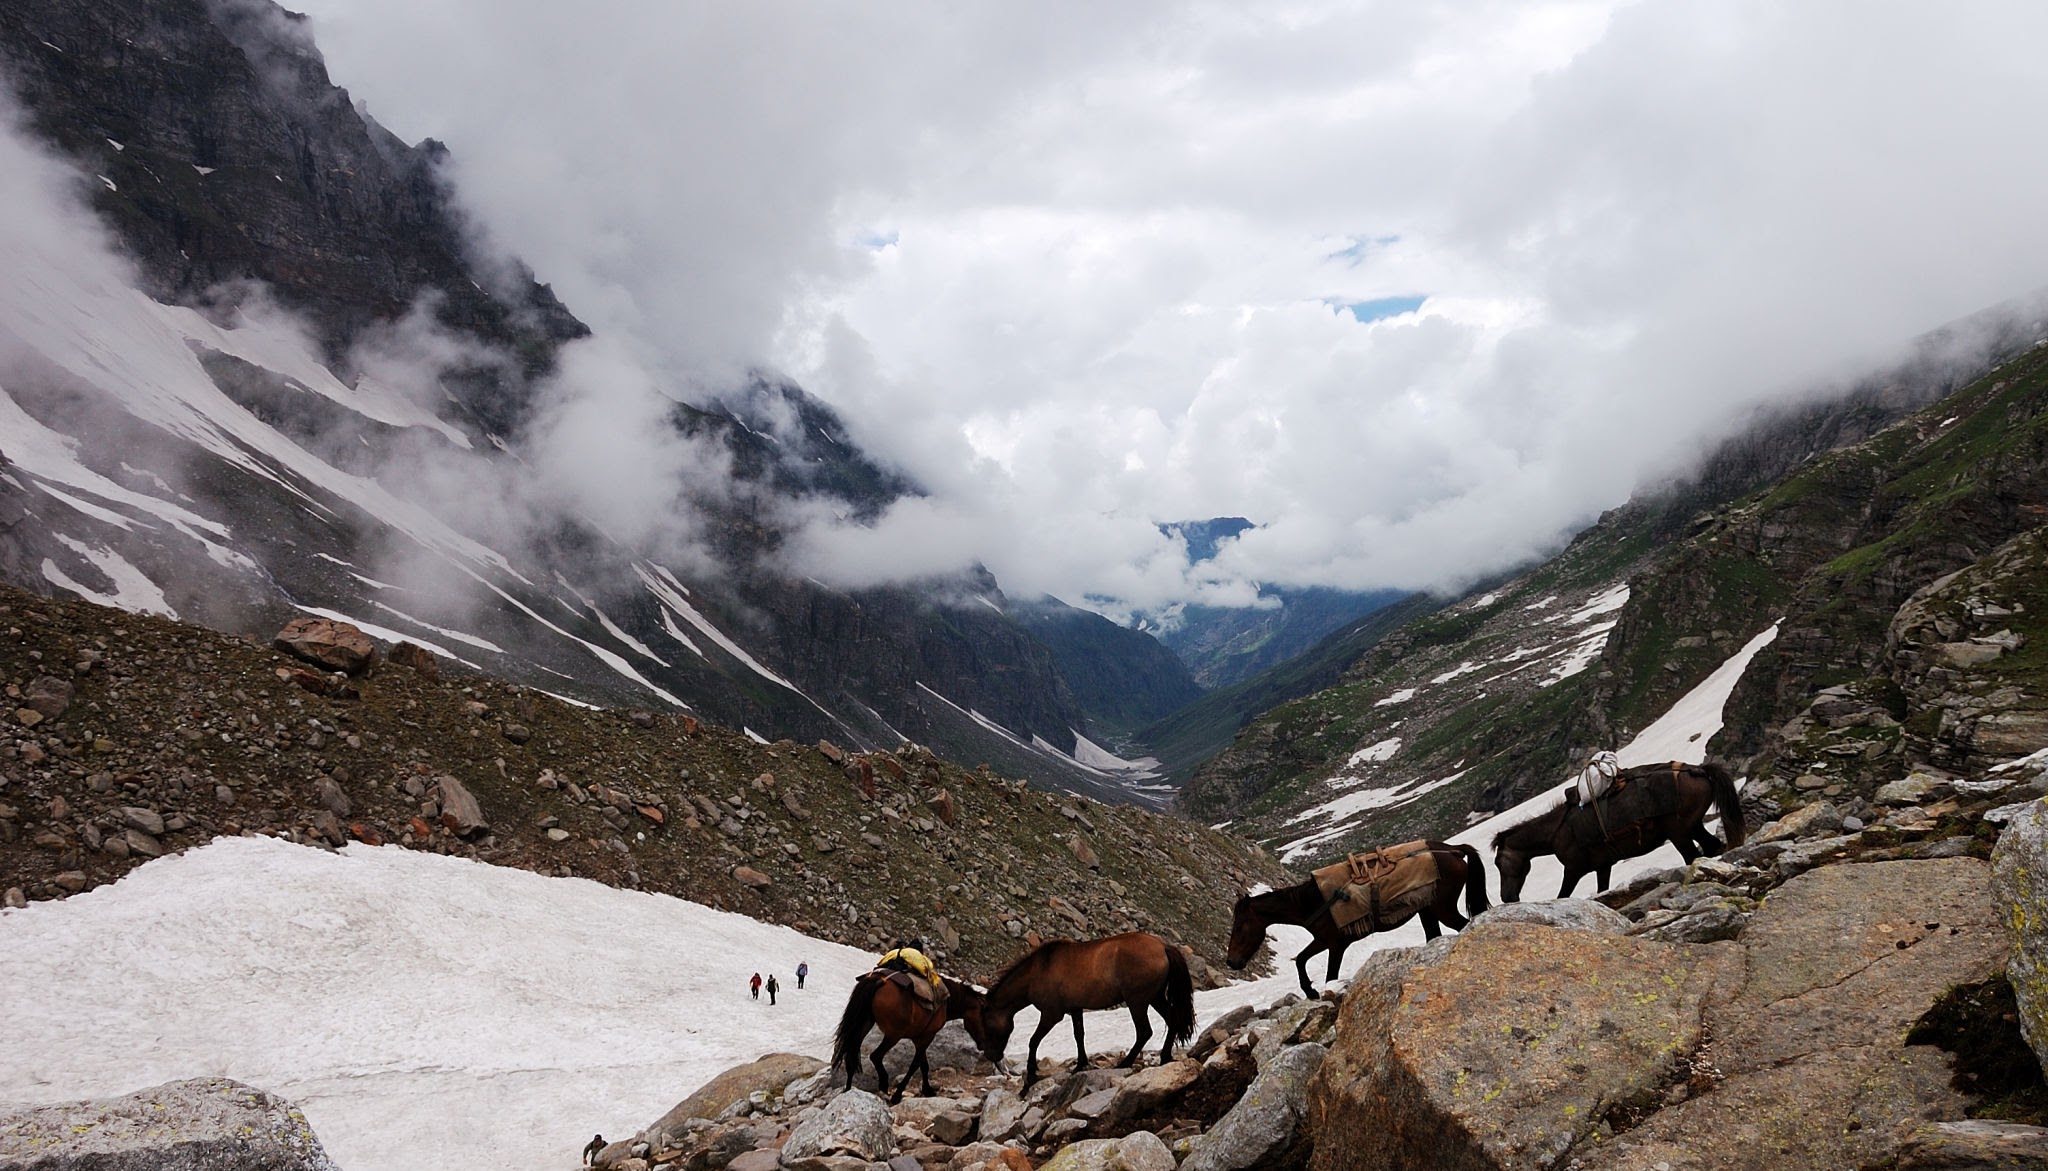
(270, 373)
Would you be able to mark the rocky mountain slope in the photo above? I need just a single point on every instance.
(1852, 506)
(315, 396)
(128, 736)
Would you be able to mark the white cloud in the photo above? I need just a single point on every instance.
(1075, 268)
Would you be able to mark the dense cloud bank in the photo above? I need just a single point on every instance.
(1082, 272)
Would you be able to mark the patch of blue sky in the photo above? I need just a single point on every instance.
(1380, 307)
(1354, 254)
(876, 241)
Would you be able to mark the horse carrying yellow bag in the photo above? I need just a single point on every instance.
(916, 963)
(1380, 889)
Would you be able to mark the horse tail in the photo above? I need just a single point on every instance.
(853, 1027)
(1475, 881)
(1728, 801)
(1180, 999)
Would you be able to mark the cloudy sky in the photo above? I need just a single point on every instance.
(1419, 287)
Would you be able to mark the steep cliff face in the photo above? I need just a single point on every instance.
(225, 154)
(176, 448)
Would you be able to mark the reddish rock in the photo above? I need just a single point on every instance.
(690, 725)
(652, 813)
(459, 810)
(832, 752)
(338, 646)
(364, 834)
(941, 803)
(312, 681)
(892, 766)
(419, 658)
(751, 877)
(420, 829)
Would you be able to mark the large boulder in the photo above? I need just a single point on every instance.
(1266, 1122)
(854, 1123)
(1572, 914)
(206, 1124)
(2019, 883)
(1139, 1151)
(1808, 1051)
(337, 646)
(768, 1074)
(1975, 1144)
(1509, 1049)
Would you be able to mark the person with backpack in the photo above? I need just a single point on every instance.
(772, 987)
(755, 984)
(802, 969)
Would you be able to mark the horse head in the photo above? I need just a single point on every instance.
(969, 1004)
(1247, 933)
(990, 1027)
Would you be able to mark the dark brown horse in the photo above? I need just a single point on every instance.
(881, 1002)
(1063, 977)
(1305, 905)
(1694, 791)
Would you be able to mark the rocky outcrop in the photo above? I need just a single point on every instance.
(325, 642)
(765, 1075)
(206, 1124)
(2019, 870)
(1510, 1049)
(1260, 1130)
(854, 1123)
(1808, 1049)
(1516, 1045)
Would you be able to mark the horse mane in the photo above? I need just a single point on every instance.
(1542, 816)
(1017, 966)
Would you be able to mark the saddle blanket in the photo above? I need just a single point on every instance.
(1381, 889)
(1639, 794)
(929, 991)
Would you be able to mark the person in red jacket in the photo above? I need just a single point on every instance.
(755, 985)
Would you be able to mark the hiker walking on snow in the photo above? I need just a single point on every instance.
(772, 987)
(755, 984)
(802, 970)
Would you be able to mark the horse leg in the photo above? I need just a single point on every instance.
(1141, 1029)
(1301, 966)
(1602, 876)
(1046, 1020)
(1446, 909)
(1431, 929)
(1572, 875)
(1336, 961)
(1709, 845)
(1080, 1048)
(1159, 1003)
(923, 1065)
(882, 1071)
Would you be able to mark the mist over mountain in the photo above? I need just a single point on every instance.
(255, 364)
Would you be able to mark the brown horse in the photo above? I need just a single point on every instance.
(881, 1002)
(1305, 905)
(1064, 977)
(1695, 791)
